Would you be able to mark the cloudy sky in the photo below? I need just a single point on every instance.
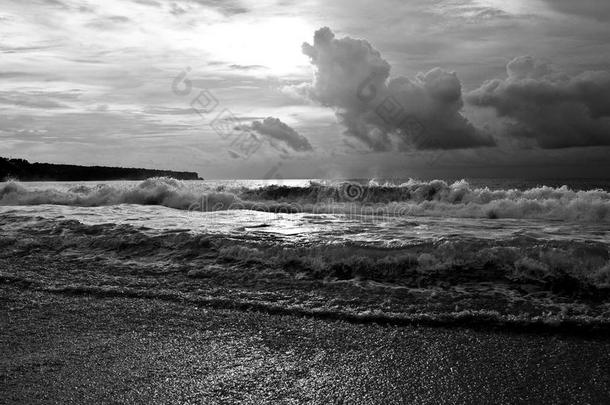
(297, 89)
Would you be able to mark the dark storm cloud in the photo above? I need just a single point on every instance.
(275, 130)
(596, 9)
(553, 108)
(383, 113)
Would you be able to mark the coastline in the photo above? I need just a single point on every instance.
(25, 171)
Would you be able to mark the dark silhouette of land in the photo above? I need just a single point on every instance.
(23, 170)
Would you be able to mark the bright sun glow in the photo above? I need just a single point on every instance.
(273, 43)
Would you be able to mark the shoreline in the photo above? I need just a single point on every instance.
(481, 320)
(83, 348)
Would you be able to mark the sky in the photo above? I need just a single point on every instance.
(310, 89)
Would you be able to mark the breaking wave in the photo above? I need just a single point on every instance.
(417, 198)
(519, 283)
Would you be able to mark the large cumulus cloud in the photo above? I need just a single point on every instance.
(383, 112)
(551, 108)
(276, 131)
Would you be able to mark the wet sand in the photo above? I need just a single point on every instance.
(83, 349)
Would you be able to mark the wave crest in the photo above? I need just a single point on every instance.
(418, 198)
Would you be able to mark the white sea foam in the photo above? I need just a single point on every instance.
(418, 198)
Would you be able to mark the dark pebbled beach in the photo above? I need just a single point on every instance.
(85, 349)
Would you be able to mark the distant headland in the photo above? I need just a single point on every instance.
(23, 170)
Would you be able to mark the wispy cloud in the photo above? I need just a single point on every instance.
(81, 72)
(593, 9)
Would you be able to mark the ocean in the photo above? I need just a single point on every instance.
(504, 252)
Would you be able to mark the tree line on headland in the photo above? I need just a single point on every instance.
(21, 169)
